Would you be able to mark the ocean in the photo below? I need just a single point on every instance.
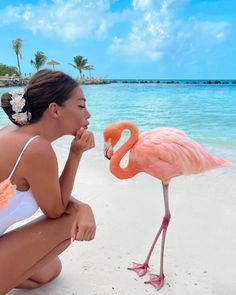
(207, 113)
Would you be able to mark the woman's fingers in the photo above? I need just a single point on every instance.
(73, 232)
(88, 139)
(87, 135)
(90, 233)
(83, 141)
(85, 234)
(79, 133)
(85, 225)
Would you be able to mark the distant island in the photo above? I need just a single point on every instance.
(171, 81)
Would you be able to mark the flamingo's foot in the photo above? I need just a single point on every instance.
(140, 269)
(156, 281)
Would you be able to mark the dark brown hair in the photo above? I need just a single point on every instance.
(43, 88)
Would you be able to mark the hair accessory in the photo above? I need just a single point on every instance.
(18, 102)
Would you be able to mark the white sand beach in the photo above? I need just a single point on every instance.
(200, 254)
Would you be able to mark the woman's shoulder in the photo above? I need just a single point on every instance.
(8, 129)
(39, 144)
(12, 140)
(38, 153)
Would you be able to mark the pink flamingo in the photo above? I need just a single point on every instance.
(163, 153)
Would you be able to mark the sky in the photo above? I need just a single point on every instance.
(139, 39)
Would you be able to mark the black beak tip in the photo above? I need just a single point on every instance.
(108, 157)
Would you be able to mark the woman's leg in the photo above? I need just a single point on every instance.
(45, 275)
(26, 250)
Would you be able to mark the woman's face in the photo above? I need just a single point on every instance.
(74, 112)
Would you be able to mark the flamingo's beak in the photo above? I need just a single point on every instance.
(107, 157)
(108, 151)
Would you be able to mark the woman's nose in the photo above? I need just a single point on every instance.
(88, 115)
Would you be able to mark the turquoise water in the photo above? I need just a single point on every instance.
(207, 113)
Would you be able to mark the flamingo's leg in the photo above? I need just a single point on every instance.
(141, 269)
(158, 280)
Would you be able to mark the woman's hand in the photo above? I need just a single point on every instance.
(84, 226)
(83, 141)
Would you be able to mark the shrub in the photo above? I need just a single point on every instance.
(5, 69)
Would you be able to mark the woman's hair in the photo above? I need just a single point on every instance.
(43, 88)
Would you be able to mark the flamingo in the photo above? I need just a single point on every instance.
(163, 153)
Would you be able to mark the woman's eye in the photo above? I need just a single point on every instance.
(82, 107)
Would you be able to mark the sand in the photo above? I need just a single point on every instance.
(200, 254)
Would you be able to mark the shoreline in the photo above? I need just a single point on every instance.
(22, 81)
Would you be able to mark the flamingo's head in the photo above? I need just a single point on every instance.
(112, 134)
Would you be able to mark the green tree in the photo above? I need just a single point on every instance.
(16, 45)
(79, 63)
(39, 60)
(8, 70)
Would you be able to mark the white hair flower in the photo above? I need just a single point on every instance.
(17, 100)
(21, 118)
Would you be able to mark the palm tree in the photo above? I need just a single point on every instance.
(16, 45)
(79, 63)
(39, 60)
(89, 68)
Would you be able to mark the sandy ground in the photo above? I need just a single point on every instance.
(200, 254)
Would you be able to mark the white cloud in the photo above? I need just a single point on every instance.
(151, 30)
(140, 42)
(9, 15)
(157, 31)
(141, 4)
(69, 20)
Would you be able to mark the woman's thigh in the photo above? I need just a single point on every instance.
(24, 251)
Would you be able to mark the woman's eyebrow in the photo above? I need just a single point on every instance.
(82, 98)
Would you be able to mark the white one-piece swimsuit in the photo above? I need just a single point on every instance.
(21, 205)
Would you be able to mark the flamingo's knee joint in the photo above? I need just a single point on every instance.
(165, 222)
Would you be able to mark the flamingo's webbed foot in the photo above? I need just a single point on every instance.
(156, 281)
(140, 269)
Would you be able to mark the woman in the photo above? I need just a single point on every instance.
(53, 105)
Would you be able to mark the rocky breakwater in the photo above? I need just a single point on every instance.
(13, 81)
(92, 81)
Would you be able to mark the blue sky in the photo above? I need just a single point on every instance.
(160, 39)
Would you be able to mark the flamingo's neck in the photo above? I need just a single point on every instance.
(130, 170)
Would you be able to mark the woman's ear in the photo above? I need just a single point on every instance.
(54, 110)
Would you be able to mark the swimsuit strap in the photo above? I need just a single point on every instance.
(22, 152)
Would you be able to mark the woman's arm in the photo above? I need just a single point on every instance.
(68, 176)
(41, 172)
(83, 141)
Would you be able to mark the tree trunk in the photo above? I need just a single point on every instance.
(18, 62)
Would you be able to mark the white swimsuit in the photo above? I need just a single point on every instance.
(21, 205)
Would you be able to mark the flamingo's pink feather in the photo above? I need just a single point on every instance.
(168, 152)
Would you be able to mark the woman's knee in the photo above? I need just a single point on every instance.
(73, 207)
(48, 273)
